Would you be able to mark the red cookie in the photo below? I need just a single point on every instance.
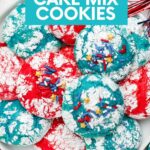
(42, 81)
(10, 66)
(68, 51)
(59, 137)
(67, 34)
(136, 91)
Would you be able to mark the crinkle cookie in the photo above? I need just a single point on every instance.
(148, 147)
(101, 49)
(59, 137)
(10, 66)
(92, 106)
(67, 34)
(19, 127)
(137, 35)
(136, 92)
(26, 40)
(127, 136)
(42, 81)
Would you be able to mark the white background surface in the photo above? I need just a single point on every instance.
(5, 7)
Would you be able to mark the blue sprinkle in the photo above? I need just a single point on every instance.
(100, 104)
(110, 48)
(47, 80)
(78, 96)
(50, 69)
(57, 98)
(99, 48)
(91, 64)
(58, 81)
(54, 88)
(42, 84)
(106, 113)
(88, 126)
(95, 58)
(51, 85)
(107, 45)
(48, 73)
(122, 60)
(93, 112)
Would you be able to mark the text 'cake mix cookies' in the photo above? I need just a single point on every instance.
(136, 92)
(100, 49)
(127, 136)
(59, 137)
(67, 34)
(19, 127)
(42, 81)
(137, 35)
(92, 106)
(26, 40)
(10, 66)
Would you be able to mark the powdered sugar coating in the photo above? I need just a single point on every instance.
(19, 127)
(136, 93)
(67, 34)
(59, 137)
(92, 106)
(10, 66)
(41, 94)
(103, 49)
(26, 40)
(133, 26)
(127, 136)
(137, 35)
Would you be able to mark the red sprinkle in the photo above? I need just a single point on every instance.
(115, 107)
(99, 55)
(3, 44)
(104, 64)
(80, 120)
(75, 108)
(105, 106)
(104, 40)
(109, 55)
(123, 50)
(78, 106)
(95, 62)
(87, 118)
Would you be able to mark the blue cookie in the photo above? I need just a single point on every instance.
(126, 136)
(137, 35)
(101, 49)
(19, 127)
(26, 40)
(92, 106)
(148, 147)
